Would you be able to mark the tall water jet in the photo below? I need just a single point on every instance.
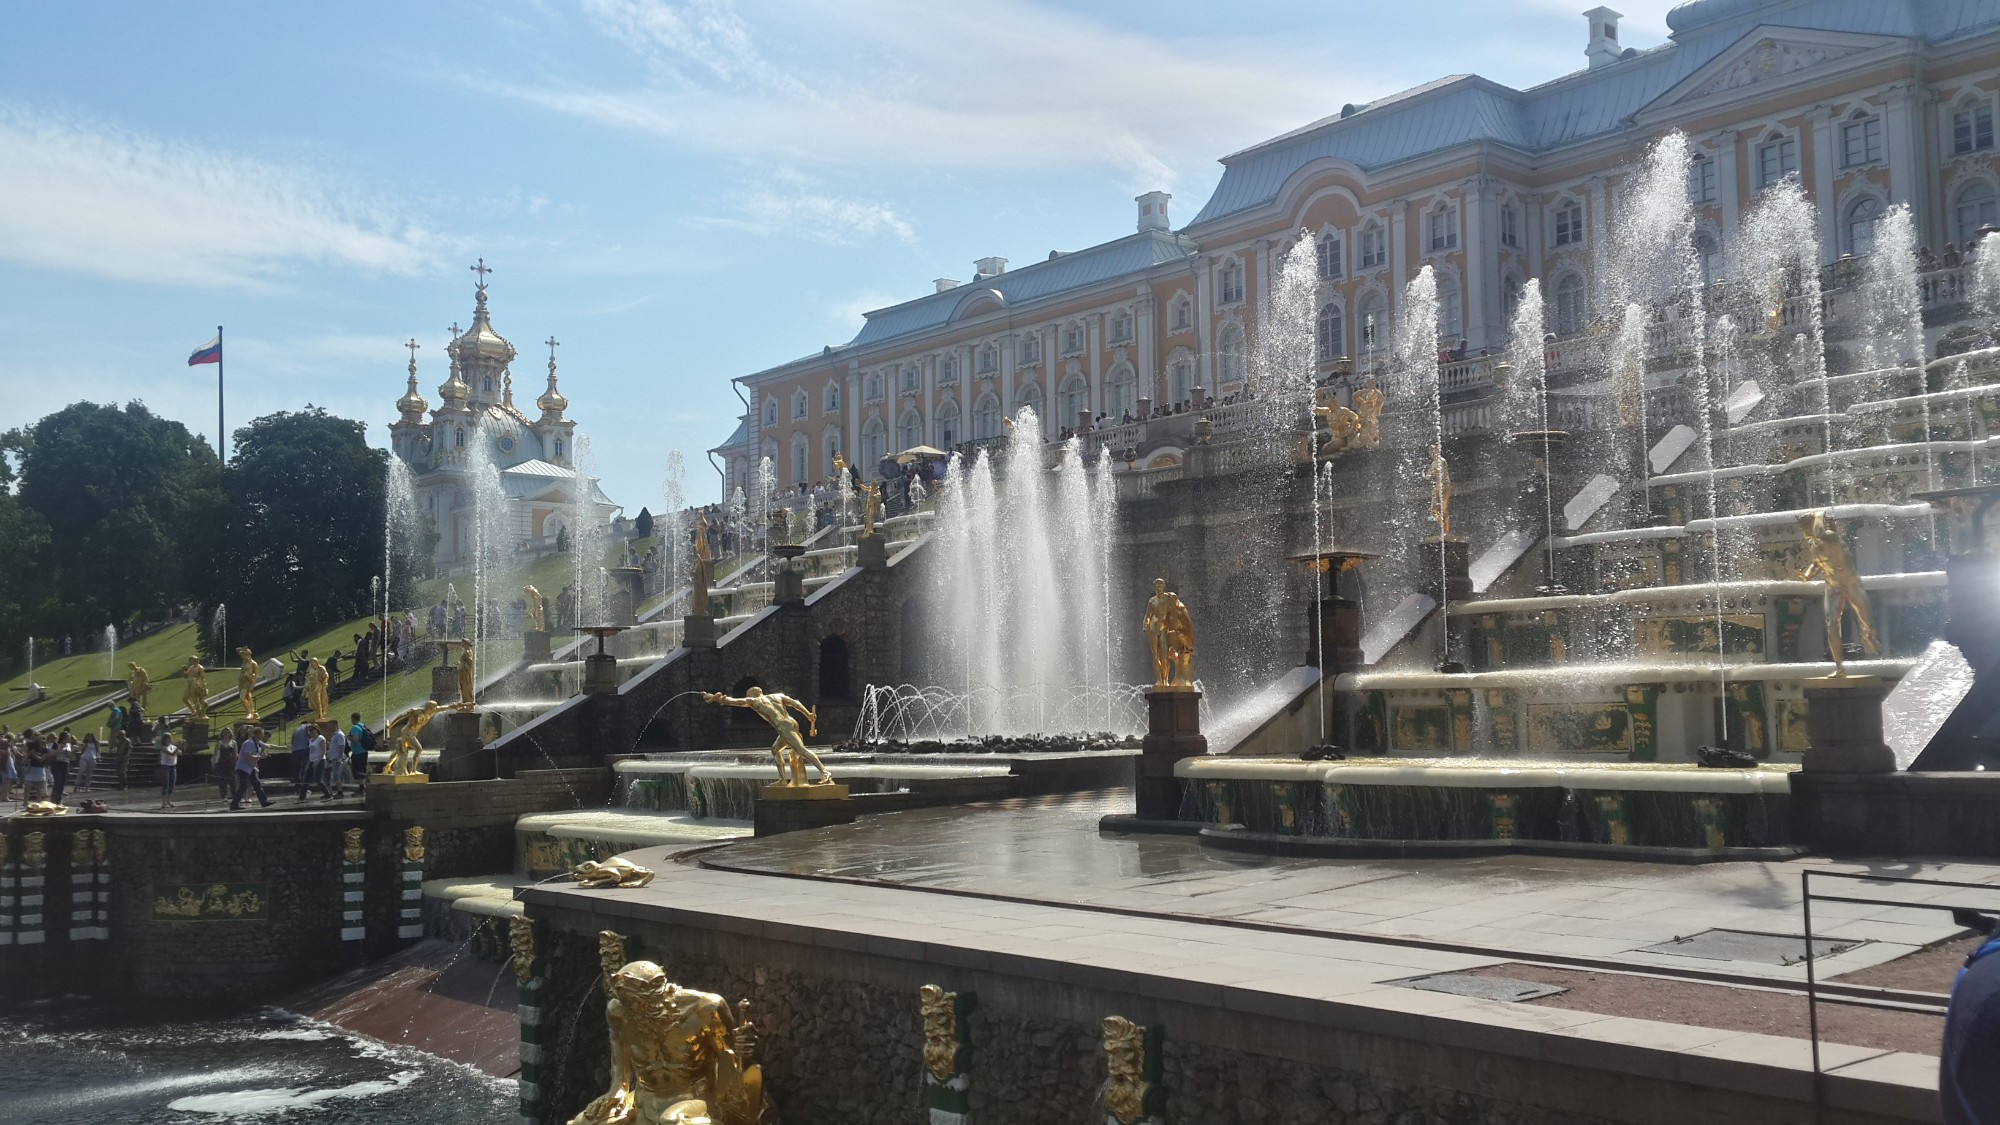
(110, 652)
(1035, 602)
(1525, 409)
(1778, 273)
(399, 531)
(1415, 374)
(218, 627)
(1103, 530)
(672, 524)
(1287, 358)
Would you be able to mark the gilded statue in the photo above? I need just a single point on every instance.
(537, 619)
(351, 846)
(840, 470)
(941, 1025)
(1368, 418)
(1440, 475)
(467, 681)
(1171, 632)
(789, 749)
(413, 844)
(34, 847)
(1342, 424)
(871, 507)
(521, 940)
(319, 689)
(677, 1055)
(1128, 1095)
(194, 689)
(246, 684)
(1827, 560)
(613, 872)
(137, 683)
(404, 737)
(704, 566)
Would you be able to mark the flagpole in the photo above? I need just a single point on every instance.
(220, 448)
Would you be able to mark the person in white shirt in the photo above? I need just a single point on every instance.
(248, 753)
(337, 768)
(170, 764)
(320, 768)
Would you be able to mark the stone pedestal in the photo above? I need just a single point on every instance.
(1454, 571)
(444, 683)
(1173, 732)
(788, 586)
(1844, 725)
(535, 646)
(1333, 636)
(697, 631)
(465, 756)
(872, 552)
(194, 736)
(790, 808)
(600, 674)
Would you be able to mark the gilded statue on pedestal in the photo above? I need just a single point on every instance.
(871, 507)
(677, 1055)
(613, 872)
(246, 684)
(467, 681)
(1368, 415)
(319, 689)
(790, 749)
(194, 689)
(1171, 632)
(1827, 559)
(1130, 1094)
(1342, 424)
(521, 942)
(941, 1032)
(404, 737)
(1440, 475)
(137, 683)
(537, 619)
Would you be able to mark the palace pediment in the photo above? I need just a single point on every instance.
(1771, 56)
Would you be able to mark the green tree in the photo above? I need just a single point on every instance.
(130, 503)
(643, 525)
(306, 497)
(23, 538)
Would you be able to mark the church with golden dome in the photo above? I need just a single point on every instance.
(480, 465)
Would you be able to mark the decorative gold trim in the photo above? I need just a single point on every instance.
(34, 850)
(521, 938)
(940, 1031)
(413, 845)
(351, 850)
(1125, 1082)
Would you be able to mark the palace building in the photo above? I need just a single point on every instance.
(1868, 103)
(477, 428)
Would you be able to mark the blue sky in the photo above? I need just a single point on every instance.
(679, 190)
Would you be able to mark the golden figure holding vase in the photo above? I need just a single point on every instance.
(1171, 632)
(871, 508)
(1827, 560)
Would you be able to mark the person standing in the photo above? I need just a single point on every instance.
(224, 769)
(321, 767)
(336, 761)
(59, 756)
(248, 754)
(170, 767)
(35, 774)
(358, 740)
(86, 763)
(302, 758)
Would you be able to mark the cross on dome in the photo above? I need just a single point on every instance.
(482, 269)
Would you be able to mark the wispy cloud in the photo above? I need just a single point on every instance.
(793, 205)
(87, 197)
(914, 84)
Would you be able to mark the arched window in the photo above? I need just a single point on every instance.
(829, 449)
(1709, 252)
(1510, 300)
(986, 417)
(871, 444)
(488, 383)
(1374, 247)
(910, 430)
(1028, 395)
(1075, 399)
(801, 459)
(799, 404)
(1229, 354)
(1572, 306)
(1372, 317)
(947, 424)
(559, 445)
(1977, 207)
(1327, 249)
(770, 412)
(1031, 348)
(831, 401)
(1858, 228)
(1451, 309)
(1329, 334)
(460, 437)
(1180, 379)
(1120, 392)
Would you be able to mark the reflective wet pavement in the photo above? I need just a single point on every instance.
(1050, 851)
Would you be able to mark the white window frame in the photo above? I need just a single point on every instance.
(1075, 338)
(829, 399)
(1371, 324)
(1777, 156)
(910, 429)
(1029, 350)
(1510, 225)
(1229, 285)
(1701, 179)
(949, 430)
(989, 358)
(1852, 240)
(1073, 399)
(1566, 224)
(1441, 228)
(1328, 250)
(1860, 140)
(1971, 125)
(1231, 356)
(1959, 204)
(1451, 295)
(1123, 326)
(1566, 323)
(1330, 332)
(1183, 314)
(1374, 245)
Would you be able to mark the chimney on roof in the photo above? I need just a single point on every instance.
(990, 267)
(944, 283)
(1153, 211)
(1603, 48)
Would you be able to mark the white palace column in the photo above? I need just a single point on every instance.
(1824, 141)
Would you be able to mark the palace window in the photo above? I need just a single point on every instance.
(1120, 393)
(1028, 397)
(986, 417)
(910, 430)
(1709, 252)
(1373, 320)
(800, 402)
(1374, 247)
(559, 444)
(1075, 400)
(1443, 228)
(801, 471)
(1861, 141)
(461, 437)
(1572, 306)
(913, 378)
(830, 402)
(1859, 227)
(871, 441)
(873, 388)
(1229, 356)
(770, 412)
(1451, 310)
(1776, 159)
(1977, 207)
(1701, 180)
(1972, 127)
(1328, 251)
(947, 370)
(1510, 226)
(829, 449)
(1569, 224)
(947, 424)
(1073, 338)
(1121, 327)
(1031, 348)
(1183, 320)
(1180, 380)
(989, 358)
(1232, 282)
(1328, 334)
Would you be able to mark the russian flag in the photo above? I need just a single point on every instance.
(210, 352)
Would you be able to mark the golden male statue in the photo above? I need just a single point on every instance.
(246, 683)
(468, 681)
(790, 749)
(1342, 424)
(871, 507)
(1171, 632)
(677, 1055)
(1827, 559)
(137, 683)
(1440, 493)
(538, 618)
(404, 738)
(194, 689)
(1368, 416)
(319, 689)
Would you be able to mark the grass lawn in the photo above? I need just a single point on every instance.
(165, 652)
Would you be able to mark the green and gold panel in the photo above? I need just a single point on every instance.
(1420, 730)
(1790, 718)
(1791, 618)
(1506, 729)
(1579, 728)
(1460, 700)
(1748, 729)
(213, 902)
(1742, 636)
(1642, 703)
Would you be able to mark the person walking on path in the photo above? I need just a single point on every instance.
(59, 755)
(222, 771)
(170, 768)
(320, 768)
(302, 758)
(358, 740)
(336, 762)
(86, 764)
(248, 753)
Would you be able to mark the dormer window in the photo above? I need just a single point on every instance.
(1861, 141)
(1121, 327)
(1231, 282)
(1443, 228)
(1374, 247)
(1569, 224)
(1327, 251)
